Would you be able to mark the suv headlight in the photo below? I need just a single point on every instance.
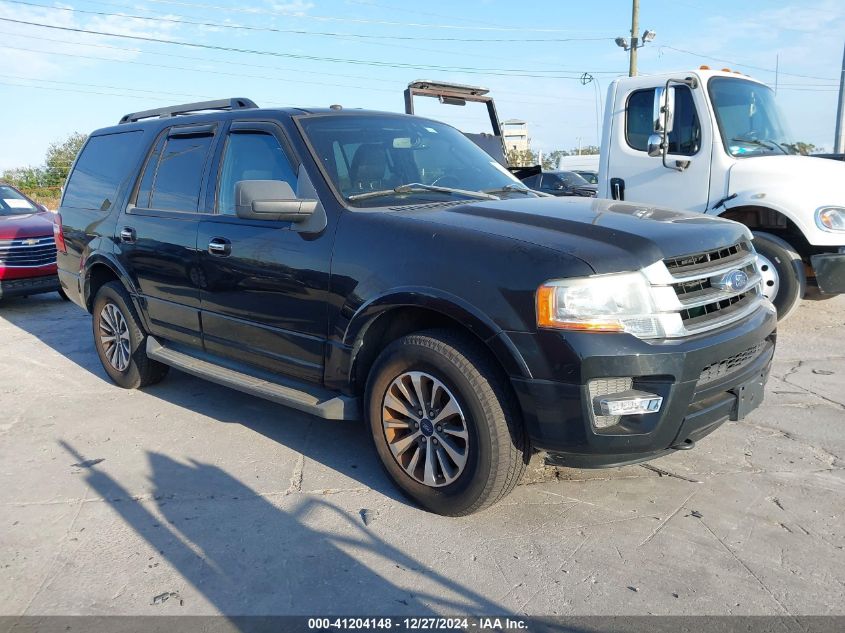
(831, 218)
(606, 303)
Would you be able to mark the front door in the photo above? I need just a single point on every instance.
(157, 234)
(645, 178)
(264, 284)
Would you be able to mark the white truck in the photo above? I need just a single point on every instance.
(713, 141)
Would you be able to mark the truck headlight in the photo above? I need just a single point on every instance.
(606, 303)
(831, 218)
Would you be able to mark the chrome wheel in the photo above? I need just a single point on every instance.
(771, 280)
(425, 429)
(114, 337)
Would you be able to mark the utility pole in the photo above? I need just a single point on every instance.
(839, 140)
(635, 35)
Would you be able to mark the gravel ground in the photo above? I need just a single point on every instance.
(189, 498)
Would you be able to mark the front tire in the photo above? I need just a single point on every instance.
(444, 423)
(784, 280)
(121, 342)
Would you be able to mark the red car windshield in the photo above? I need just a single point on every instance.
(12, 202)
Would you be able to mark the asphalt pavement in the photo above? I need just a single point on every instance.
(189, 498)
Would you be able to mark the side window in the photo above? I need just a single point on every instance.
(103, 165)
(178, 172)
(532, 182)
(685, 137)
(251, 156)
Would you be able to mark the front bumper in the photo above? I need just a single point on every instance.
(558, 412)
(830, 272)
(28, 286)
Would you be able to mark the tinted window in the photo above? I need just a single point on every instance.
(105, 163)
(176, 185)
(550, 181)
(532, 181)
(251, 156)
(685, 137)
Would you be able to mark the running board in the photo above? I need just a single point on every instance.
(314, 400)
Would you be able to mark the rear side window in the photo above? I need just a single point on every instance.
(103, 166)
(179, 174)
(685, 137)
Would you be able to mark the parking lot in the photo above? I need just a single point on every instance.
(189, 498)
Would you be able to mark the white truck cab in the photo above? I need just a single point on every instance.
(713, 141)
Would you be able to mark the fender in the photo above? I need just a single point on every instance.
(443, 303)
(101, 258)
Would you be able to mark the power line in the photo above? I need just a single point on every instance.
(183, 19)
(324, 18)
(501, 72)
(735, 63)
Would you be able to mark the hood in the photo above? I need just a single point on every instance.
(25, 225)
(610, 236)
(818, 181)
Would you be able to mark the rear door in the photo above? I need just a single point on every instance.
(264, 285)
(157, 235)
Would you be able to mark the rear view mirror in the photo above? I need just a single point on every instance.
(270, 200)
(664, 109)
(655, 145)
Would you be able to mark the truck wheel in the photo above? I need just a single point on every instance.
(120, 341)
(444, 423)
(784, 281)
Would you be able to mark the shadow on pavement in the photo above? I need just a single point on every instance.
(248, 557)
(344, 447)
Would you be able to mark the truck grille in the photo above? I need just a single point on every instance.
(709, 289)
(28, 252)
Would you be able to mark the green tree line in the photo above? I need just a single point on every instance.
(44, 182)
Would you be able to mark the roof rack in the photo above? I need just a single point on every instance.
(234, 103)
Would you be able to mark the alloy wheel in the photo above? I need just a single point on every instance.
(114, 337)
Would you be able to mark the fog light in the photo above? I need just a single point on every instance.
(631, 402)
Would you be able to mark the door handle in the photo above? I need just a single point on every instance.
(219, 246)
(617, 188)
(127, 234)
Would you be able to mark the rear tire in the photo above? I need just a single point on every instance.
(784, 280)
(121, 342)
(469, 398)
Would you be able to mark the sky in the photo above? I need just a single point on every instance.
(362, 54)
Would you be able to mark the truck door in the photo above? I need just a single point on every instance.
(684, 182)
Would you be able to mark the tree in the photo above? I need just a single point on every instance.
(60, 156)
(521, 158)
(805, 149)
(551, 159)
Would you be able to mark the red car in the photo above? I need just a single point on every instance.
(27, 246)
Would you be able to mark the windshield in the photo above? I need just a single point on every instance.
(14, 203)
(748, 118)
(376, 154)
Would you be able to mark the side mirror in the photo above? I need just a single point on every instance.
(270, 200)
(664, 109)
(655, 145)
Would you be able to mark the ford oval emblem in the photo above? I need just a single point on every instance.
(734, 281)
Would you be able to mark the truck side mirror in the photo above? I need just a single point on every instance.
(655, 145)
(664, 109)
(270, 200)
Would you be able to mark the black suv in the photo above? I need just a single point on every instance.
(356, 264)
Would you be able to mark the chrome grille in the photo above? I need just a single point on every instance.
(704, 301)
(28, 252)
(732, 364)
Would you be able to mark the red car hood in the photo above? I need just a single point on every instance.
(14, 227)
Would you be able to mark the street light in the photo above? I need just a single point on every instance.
(648, 36)
(635, 44)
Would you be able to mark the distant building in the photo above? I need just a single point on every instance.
(515, 135)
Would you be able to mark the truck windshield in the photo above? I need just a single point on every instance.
(386, 160)
(13, 203)
(748, 118)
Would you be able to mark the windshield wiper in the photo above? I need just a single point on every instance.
(418, 187)
(519, 189)
(761, 143)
